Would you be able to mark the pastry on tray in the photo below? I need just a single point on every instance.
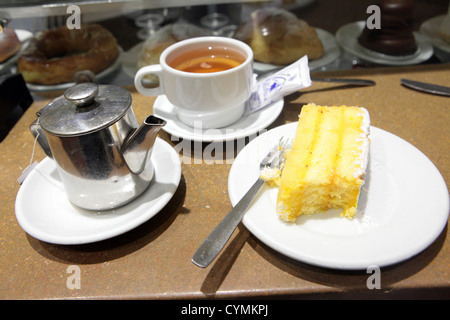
(9, 44)
(278, 37)
(444, 28)
(395, 36)
(55, 55)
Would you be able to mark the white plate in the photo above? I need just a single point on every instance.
(63, 86)
(331, 52)
(44, 211)
(403, 208)
(347, 37)
(23, 36)
(248, 125)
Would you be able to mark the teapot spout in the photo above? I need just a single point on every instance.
(137, 148)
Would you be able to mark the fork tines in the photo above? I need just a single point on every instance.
(276, 154)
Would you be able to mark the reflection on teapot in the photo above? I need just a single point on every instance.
(102, 155)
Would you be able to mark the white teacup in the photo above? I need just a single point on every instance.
(217, 99)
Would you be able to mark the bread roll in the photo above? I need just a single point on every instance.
(278, 37)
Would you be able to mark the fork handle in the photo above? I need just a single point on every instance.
(212, 245)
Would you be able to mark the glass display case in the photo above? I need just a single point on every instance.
(279, 31)
(337, 23)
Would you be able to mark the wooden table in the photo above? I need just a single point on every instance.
(153, 260)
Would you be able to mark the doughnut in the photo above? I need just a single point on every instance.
(9, 44)
(55, 55)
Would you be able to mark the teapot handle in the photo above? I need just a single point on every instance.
(39, 135)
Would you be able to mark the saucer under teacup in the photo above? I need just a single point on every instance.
(247, 125)
(215, 119)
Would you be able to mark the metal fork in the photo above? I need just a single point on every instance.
(211, 247)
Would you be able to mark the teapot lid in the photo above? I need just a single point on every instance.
(85, 108)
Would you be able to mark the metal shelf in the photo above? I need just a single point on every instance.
(39, 8)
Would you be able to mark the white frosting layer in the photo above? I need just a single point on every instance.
(365, 137)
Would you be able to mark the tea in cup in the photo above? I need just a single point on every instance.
(207, 79)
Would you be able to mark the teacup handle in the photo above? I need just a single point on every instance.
(154, 69)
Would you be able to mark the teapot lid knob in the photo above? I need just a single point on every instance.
(82, 94)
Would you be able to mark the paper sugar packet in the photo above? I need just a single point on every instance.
(294, 77)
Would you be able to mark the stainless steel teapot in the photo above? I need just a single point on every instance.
(101, 153)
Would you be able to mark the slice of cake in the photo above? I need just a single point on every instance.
(326, 165)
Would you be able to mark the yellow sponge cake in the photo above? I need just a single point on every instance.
(326, 165)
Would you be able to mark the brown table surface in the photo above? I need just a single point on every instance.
(153, 261)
